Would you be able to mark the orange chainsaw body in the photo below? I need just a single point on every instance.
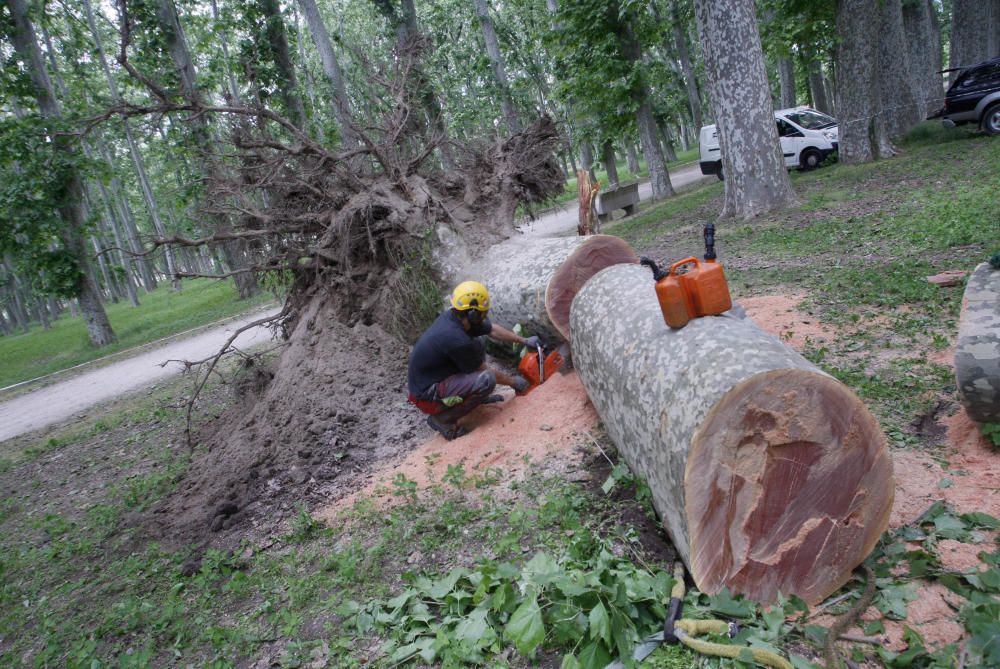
(536, 373)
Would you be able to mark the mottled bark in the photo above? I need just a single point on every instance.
(631, 158)
(277, 41)
(669, 153)
(331, 68)
(900, 103)
(977, 353)
(71, 212)
(864, 135)
(497, 63)
(786, 77)
(587, 157)
(769, 475)
(974, 32)
(756, 179)
(533, 282)
(923, 39)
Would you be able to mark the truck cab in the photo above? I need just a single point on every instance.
(807, 138)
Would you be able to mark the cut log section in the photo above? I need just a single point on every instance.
(533, 281)
(770, 476)
(977, 354)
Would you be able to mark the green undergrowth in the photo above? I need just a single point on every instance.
(475, 571)
(160, 314)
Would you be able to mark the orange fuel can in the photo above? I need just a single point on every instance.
(675, 303)
(706, 287)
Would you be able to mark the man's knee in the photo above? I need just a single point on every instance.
(486, 382)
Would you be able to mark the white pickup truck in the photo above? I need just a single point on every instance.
(807, 138)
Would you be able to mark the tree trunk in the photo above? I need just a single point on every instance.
(817, 88)
(497, 63)
(668, 143)
(610, 162)
(631, 157)
(786, 78)
(26, 46)
(137, 162)
(587, 157)
(549, 273)
(769, 475)
(923, 39)
(684, 55)
(900, 103)
(864, 135)
(974, 32)
(977, 354)
(277, 41)
(756, 179)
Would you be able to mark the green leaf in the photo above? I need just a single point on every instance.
(801, 663)
(570, 662)
(525, 627)
(475, 629)
(980, 520)
(949, 527)
(725, 604)
(441, 588)
(600, 624)
(594, 656)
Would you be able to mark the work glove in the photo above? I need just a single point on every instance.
(532, 343)
(452, 400)
(519, 384)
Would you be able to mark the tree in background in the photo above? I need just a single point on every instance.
(975, 32)
(69, 271)
(756, 179)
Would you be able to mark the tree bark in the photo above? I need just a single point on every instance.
(631, 157)
(26, 46)
(587, 157)
(786, 76)
(817, 87)
(497, 63)
(977, 354)
(610, 162)
(899, 101)
(974, 32)
(923, 39)
(687, 67)
(864, 133)
(277, 40)
(756, 179)
(669, 152)
(769, 475)
(549, 272)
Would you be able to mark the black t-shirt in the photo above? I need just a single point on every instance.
(446, 349)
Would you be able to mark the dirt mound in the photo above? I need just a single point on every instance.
(336, 405)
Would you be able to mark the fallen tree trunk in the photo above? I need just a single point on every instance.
(770, 476)
(977, 354)
(533, 281)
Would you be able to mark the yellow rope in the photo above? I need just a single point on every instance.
(686, 630)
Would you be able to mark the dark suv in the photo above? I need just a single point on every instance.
(975, 98)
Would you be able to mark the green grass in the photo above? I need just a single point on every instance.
(160, 314)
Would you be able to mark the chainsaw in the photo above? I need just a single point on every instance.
(537, 365)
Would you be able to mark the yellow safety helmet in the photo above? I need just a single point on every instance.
(471, 295)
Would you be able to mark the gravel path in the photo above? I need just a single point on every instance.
(61, 400)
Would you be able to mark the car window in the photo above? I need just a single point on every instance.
(811, 120)
(786, 129)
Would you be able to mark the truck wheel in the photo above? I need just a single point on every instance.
(719, 174)
(810, 159)
(991, 120)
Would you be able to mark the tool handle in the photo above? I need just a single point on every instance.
(679, 263)
(709, 241)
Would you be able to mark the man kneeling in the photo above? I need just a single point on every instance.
(448, 376)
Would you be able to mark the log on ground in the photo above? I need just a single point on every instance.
(533, 281)
(977, 354)
(769, 475)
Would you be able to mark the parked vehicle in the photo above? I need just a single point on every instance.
(807, 138)
(974, 97)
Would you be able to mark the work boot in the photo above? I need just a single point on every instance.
(520, 385)
(449, 431)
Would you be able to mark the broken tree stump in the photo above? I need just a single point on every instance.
(533, 281)
(770, 475)
(977, 354)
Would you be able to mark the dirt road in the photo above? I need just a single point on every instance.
(565, 219)
(59, 401)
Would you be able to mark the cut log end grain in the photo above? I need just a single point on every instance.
(595, 254)
(788, 486)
